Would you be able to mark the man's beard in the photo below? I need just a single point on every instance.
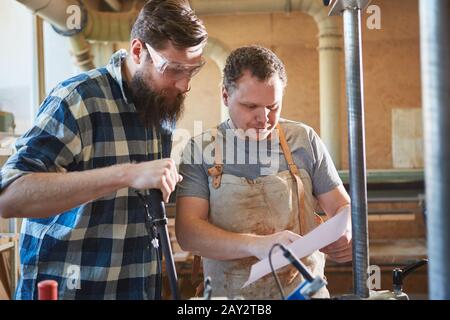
(153, 107)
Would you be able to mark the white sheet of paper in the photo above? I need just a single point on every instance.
(318, 238)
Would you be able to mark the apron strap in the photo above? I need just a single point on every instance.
(217, 169)
(296, 175)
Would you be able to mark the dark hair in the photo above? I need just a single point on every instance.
(160, 21)
(261, 62)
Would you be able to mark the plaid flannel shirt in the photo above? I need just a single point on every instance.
(101, 249)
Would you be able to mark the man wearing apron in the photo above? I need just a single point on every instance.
(254, 181)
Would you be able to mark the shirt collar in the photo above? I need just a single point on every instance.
(114, 68)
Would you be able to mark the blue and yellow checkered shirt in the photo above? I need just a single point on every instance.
(101, 249)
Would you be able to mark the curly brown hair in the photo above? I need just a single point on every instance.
(260, 61)
(160, 21)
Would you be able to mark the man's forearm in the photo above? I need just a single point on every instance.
(210, 241)
(197, 234)
(41, 195)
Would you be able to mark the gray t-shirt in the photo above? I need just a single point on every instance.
(251, 159)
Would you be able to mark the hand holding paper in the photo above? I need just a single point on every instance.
(320, 237)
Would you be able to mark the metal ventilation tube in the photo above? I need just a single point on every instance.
(57, 12)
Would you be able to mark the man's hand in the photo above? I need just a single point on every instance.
(340, 250)
(261, 245)
(334, 202)
(158, 174)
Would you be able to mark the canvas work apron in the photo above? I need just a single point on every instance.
(261, 206)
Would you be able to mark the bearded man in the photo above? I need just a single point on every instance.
(97, 138)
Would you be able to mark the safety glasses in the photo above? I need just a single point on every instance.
(173, 70)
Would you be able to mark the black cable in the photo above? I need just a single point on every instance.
(277, 280)
(289, 255)
(159, 271)
(152, 232)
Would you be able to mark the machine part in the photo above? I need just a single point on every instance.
(308, 287)
(156, 224)
(312, 287)
(338, 6)
(357, 152)
(160, 220)
(435, 60)
(398, 275)
(351, 11)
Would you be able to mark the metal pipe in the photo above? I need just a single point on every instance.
(81, 51)
(357, 154)
(52, 11)
(109, 26)
(435, 53)
(330, 50)
(56, 13)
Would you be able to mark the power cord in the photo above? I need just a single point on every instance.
(275, 275)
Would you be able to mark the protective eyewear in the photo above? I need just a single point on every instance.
(173, 70)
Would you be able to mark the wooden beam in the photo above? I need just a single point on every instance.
(39, 47)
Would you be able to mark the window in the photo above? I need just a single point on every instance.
(17, 89)
(58, 62)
